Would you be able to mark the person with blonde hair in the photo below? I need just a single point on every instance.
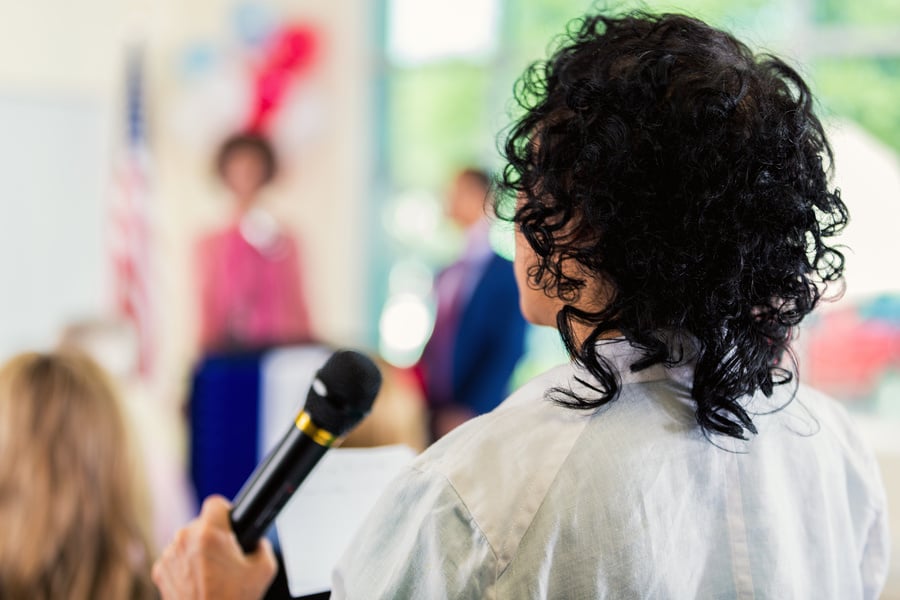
(71, 505)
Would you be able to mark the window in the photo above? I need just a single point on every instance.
(449, 74)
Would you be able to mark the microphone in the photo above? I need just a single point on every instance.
(340, 396)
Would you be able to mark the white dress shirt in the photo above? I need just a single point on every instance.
(535, 500)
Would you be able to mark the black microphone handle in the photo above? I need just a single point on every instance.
(272, 485)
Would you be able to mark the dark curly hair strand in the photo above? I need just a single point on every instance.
(666, 160)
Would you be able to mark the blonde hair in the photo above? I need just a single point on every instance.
(70, 504)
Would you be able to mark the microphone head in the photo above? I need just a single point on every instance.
(343, 391)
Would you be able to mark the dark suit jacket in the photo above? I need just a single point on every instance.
(490, 339)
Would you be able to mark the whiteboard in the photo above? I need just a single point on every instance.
(53, 182)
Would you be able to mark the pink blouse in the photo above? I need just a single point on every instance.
(251, 294)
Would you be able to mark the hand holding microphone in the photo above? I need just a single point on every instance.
(203, 560)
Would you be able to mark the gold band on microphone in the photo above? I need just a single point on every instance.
(320, 436)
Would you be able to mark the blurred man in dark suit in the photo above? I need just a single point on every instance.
(479, 333)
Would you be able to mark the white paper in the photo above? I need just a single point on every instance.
(321, 519)
(287, 374)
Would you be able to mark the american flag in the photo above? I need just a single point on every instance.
(131, 238)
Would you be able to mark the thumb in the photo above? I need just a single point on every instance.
(216, 512)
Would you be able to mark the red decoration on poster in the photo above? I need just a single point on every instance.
(289, 54)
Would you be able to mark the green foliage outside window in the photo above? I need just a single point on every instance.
(438, 122)
(865, 90)
(857, 12)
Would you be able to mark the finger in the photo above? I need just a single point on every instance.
(180, 539)
(163, 577)
(263, 560)
(264, 556)
(156, 574)
(163, 584)
(216, 512)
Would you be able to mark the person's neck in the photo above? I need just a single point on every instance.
(581, 332)
(244, 204)
(594, 298)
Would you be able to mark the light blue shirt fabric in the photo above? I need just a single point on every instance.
(535, 500)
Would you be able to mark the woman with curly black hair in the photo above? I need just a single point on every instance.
(674, 222)
(671, 182)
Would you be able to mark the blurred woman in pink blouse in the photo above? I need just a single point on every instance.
(249, 272)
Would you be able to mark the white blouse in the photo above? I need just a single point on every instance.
(535, 500)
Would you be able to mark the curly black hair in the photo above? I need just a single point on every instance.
(661, 157)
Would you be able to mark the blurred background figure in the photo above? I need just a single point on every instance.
(479, 332)
(72, 506)
(249, 272)
(159, 435)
